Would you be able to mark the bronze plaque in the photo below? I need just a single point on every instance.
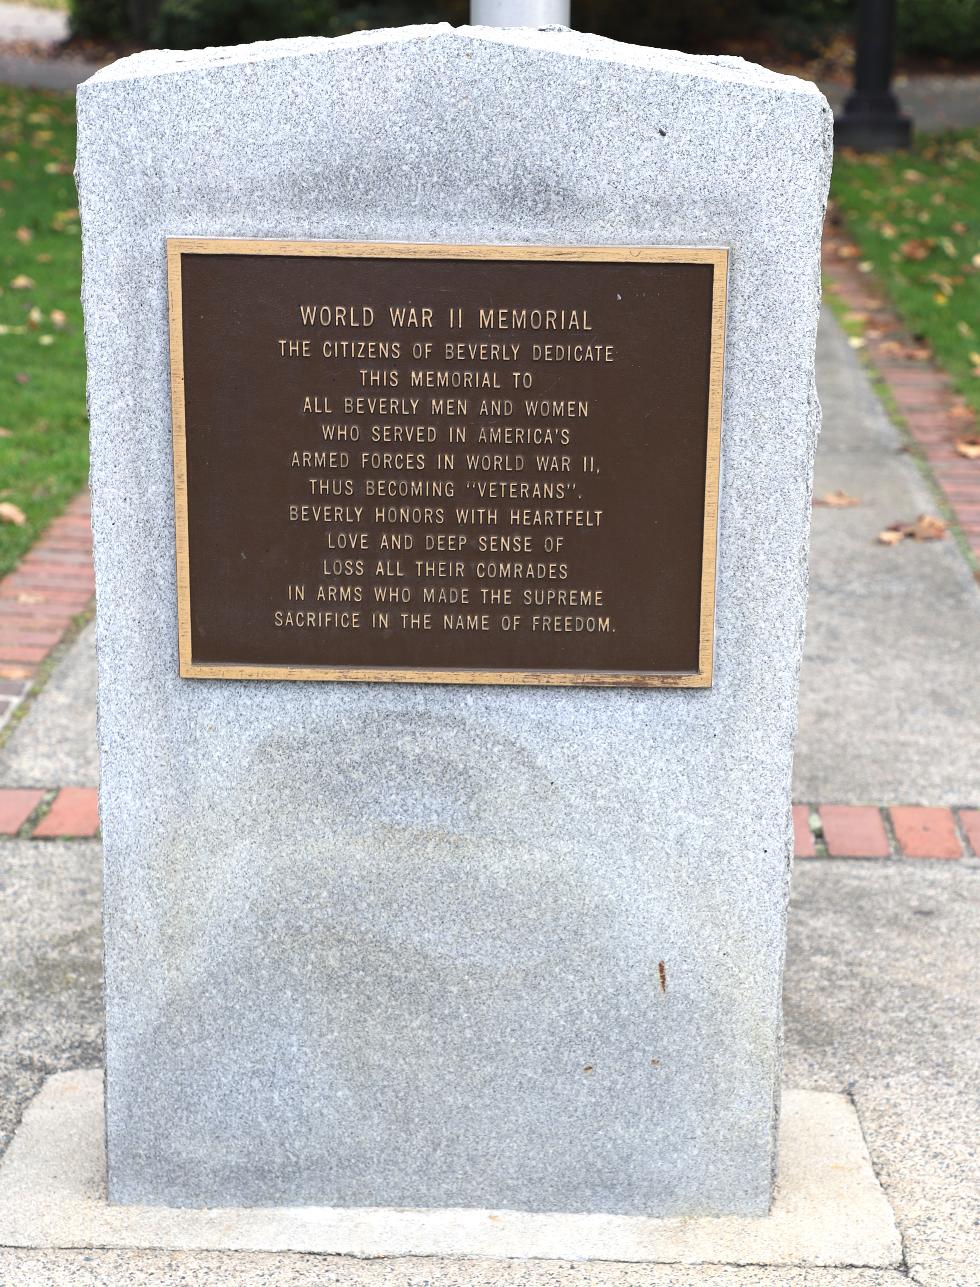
(446, 464)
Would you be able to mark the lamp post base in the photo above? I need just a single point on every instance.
(872, 124)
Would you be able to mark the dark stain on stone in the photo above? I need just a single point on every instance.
(662, 971)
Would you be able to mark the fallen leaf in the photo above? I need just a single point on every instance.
(59, 320)
(22, 377)
(34, 318)
(5, 433)
(24, 235)
(847, 251)
(22, 282)
(836, 500)
(927, 528)
(857, 341)
(45, 340)
(892, 535)
(968, 446)
(11, 513)
(961, 412)
(917, 248)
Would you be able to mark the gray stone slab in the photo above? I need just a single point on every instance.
(55, 743)
(828, 1208)
(889, 699)
(398, 945)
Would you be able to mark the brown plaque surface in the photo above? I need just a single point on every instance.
(450, 464)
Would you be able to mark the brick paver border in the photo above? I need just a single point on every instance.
(898, 831)
(933, 414)
(821, 830)
(40, 599)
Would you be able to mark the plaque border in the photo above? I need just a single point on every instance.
(717, 257)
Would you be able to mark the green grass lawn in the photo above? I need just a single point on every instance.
(916, 218)
(43, 426)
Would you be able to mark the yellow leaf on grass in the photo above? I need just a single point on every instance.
(11, 513)
(24, 235)
(22, 282)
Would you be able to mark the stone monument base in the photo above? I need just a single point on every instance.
(829, 1208)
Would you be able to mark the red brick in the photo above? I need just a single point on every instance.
(11, 652)
(970, 822)
(26, 633)
(802, 835)
(854, 831)
(925, 833)
(25, 616)
(51, 554)
(15, 672)
(16, 806)
(44, 598)
(75, 812)
(45, 579)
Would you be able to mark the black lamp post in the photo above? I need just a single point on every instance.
(871, 121)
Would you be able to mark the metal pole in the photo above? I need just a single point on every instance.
(871, 120)
(520, 13)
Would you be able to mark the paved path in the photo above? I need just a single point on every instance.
(890, 698)
(933, 102)
(29, 22)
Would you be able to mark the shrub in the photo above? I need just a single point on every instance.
(186, 24)
(100, 19)
(948, 28)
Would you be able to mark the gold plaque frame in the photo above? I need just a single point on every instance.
(717, 257)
